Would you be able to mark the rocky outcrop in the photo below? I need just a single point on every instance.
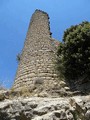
(35, 108)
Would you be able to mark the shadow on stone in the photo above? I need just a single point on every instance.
(80, 86)
(4, 116)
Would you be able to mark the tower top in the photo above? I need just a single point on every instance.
(39, 24)
(40, 11)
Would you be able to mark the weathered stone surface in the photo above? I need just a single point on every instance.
(35, 108)
(38, 55)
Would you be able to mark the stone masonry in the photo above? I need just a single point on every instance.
(38, 55)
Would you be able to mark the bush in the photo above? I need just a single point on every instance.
(74, 52)
(18, 57)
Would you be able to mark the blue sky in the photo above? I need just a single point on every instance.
(14, 20)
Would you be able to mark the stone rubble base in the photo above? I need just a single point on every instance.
(36, 108)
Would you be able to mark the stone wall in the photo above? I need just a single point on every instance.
(38, 55)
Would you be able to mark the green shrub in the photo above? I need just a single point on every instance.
(18, 57)
(74, 52)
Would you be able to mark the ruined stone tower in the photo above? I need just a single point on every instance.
(38, 55)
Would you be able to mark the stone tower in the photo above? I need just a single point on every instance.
(38, 55)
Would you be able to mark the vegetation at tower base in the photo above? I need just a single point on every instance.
(74, 52)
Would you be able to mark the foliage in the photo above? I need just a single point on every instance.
(18, 57)
(74, 51)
